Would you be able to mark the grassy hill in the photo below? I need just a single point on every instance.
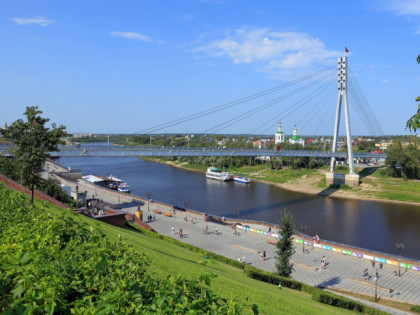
(167, 259)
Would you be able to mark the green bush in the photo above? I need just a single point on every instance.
(52, 264)
(338, 301)
(416, 308)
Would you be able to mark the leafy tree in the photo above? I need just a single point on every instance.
(285, 248)
(414, 122)
(403, 161)
(33, 140)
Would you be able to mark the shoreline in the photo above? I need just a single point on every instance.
(298, 188)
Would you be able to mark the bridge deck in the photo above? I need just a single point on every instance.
(113, 151)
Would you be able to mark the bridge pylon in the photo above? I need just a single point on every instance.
(350, 179)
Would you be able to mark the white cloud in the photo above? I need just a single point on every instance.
(270, 49)
(404, 7)
(135, 36)
(39, 20)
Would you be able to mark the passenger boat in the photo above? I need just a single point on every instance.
(110, 182)
(218, 174)
(124, 188)
(242, 179)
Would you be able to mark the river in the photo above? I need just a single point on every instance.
(367, 224)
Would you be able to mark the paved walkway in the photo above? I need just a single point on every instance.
(342, 271)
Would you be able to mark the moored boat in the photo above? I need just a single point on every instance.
(218, 174)
(242, 179)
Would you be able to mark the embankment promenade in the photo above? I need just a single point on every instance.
(345, 264)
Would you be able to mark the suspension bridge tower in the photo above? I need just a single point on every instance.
(350, 179)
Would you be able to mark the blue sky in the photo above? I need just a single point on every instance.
(124, 66)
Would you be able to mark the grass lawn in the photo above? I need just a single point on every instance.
(167, 259)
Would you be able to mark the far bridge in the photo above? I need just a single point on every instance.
(113, 151)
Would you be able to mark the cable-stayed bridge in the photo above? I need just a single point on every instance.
(314, 107)
(95, 151)
(119, 151)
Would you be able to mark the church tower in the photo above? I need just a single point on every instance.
(279, 136)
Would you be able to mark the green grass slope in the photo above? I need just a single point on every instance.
(167, 259)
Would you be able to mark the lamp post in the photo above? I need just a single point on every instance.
(400, 247)
(303, 228)
(235, 213)
(148, 201)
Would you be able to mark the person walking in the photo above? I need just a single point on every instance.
(373, 264)
(206, 230)
(216, 231)
(323, 262)
(173, 229)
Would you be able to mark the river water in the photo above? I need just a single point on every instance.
(367, 224)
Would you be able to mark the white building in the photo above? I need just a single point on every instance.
(296, 139)
(279, 136)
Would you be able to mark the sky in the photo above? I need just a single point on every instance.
(127, 66)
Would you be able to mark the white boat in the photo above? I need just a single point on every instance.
(242, 179)
(218, 174)
(124, 188)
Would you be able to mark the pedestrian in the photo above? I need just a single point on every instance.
(269, 229)
(173, 229)
(366, 274)
(223, 218)
(154, 217)
(373, 264)
(381, 265)
(180, 233)
(206, 229)
(262, 255)
(265, 254)
(323, 262)
(244, 260)
(216, 231)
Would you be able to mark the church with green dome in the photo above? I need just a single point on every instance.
(279, 137)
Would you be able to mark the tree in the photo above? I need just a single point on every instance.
(414, 122)
(285, 248)
(33, 141)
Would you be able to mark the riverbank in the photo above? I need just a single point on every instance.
(373, 187)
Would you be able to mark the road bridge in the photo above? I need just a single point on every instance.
(113, 151)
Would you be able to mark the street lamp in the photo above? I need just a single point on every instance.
(376, 285)
(303, 228)
(400, 247)
(235, 213)
(186, 202)
(148, 201)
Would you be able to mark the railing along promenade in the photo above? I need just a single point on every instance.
(121, 151)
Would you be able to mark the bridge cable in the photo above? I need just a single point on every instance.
(264, 106)
(294, 108)
(230, 104)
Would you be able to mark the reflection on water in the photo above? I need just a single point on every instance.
(367, 224)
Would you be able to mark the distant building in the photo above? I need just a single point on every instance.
(295, 139)
(82, 135)
(262, 143)
(279, 136)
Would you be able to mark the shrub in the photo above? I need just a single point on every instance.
(416, 308)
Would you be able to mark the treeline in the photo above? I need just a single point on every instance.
(236, 161)
(52, 264)
(403, 161)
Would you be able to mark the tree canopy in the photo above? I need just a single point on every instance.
(414, 122)
(33, 141)
(285, 248)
